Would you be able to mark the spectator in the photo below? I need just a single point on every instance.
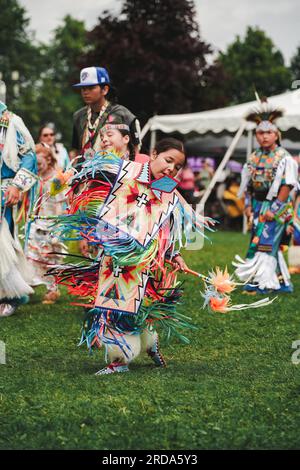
(47, 136)
(234, 207)
(100, 109)
(187, 185)
(206, 173)
(42, 243)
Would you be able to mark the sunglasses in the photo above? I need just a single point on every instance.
(48, 135)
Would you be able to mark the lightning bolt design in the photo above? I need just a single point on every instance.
(141, 291)
(163, 216)
(118, 184)
(144, 176)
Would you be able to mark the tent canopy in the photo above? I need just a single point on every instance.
(227, 119)
(230, 119)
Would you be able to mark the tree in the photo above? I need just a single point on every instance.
(18, 55)
(55, 99)
(155, 56)
(295, 65)
(254, 64)
(45, 72)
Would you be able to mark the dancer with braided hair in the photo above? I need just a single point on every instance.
(132, 211)
(133, 214)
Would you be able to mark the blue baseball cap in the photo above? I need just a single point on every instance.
(93, 76)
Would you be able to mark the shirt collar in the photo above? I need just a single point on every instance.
(145, 177)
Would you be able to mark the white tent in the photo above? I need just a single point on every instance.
(230, 119)
(226, 119)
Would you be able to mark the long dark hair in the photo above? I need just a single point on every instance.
(111, 94)
(168, 143)
(124, 132)
(130, 145)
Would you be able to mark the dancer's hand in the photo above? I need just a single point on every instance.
(12, 195)
(269, 216)
(248, 212)
(209, 222)
(84, 247)
(179, 263)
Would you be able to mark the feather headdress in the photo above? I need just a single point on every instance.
(264, 115)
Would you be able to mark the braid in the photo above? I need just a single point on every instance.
(130, 145)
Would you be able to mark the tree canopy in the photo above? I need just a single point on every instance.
(295, 65)
(254, 63)
(155, 56)
(55, 98)
(17, 50)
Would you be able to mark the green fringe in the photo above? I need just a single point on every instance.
(168, 320)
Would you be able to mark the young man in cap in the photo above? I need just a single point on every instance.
(87, 121)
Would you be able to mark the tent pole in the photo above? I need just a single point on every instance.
(220, 168)
(249, 143)
(2, 91)
(152, 140)
(249, 151)
(145, 129)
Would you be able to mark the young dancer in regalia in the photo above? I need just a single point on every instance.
(17, 178)
(294, 249)
(115, 136)
(133, 214)
(267, 180)
(43, 248)
(131, 210)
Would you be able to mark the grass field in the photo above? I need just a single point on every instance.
(233, 387)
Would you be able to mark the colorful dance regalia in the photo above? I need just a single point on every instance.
(294, 249)
(136, 223)
(43, 249)
(18, 168)
(262, 178)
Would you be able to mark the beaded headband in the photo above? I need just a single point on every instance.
(111, 126)
(264, 116)
(266, 126)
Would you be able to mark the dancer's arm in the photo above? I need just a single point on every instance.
(179, 262)
(282, 197)
(248, 205)
(26, 176)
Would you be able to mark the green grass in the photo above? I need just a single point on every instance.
(233, 387)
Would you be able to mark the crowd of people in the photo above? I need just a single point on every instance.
(223, 203)
(130, 221)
